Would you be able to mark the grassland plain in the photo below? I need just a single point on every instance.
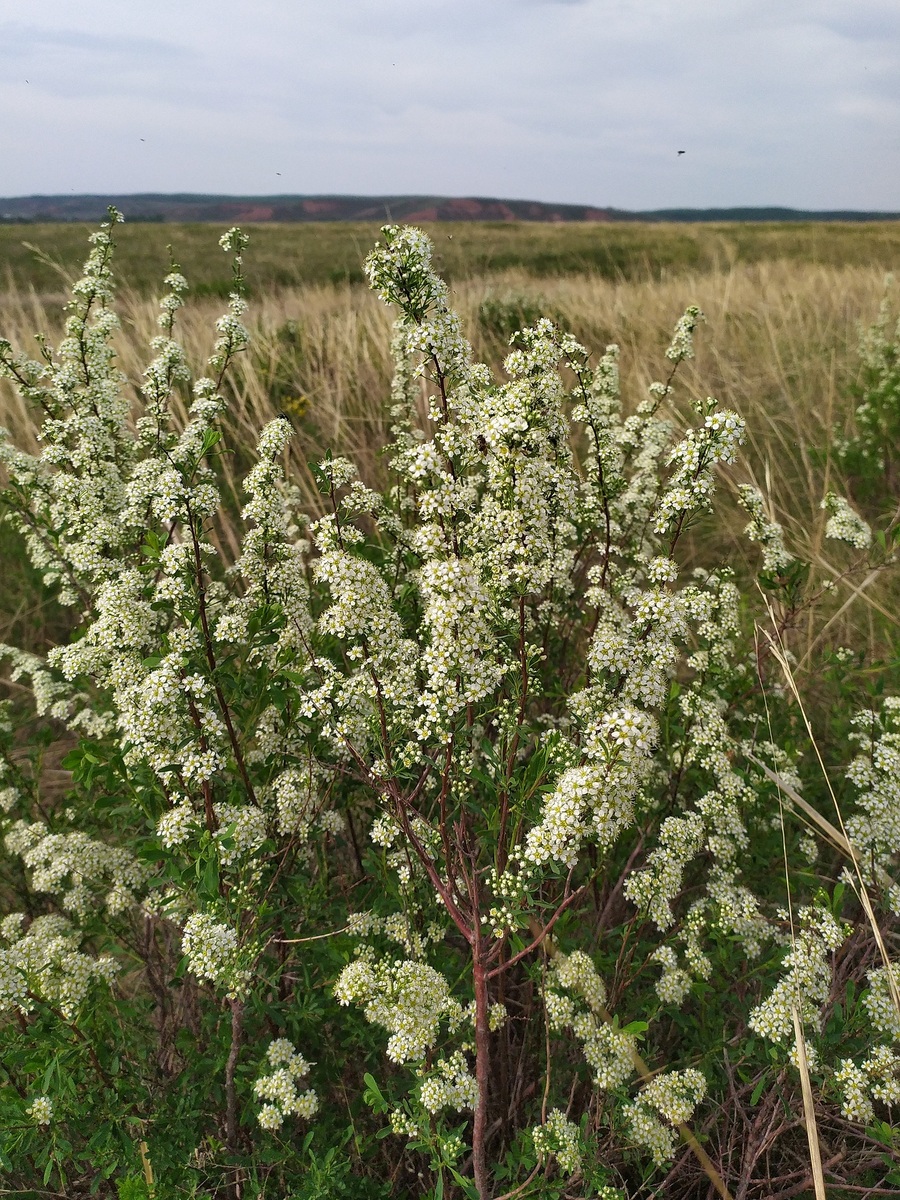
(784, 307)
(780, 346)
(41, 256)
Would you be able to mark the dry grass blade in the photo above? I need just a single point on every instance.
(781, 658)
(856, 593)
(824, 826)
(148, 1169)
(809, 1111)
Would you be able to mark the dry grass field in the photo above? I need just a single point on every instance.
(784, 307)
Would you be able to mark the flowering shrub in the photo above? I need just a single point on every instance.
(466, 788)
(869, 452)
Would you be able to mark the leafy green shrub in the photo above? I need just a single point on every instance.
(871, 454)
(437, 844)
(503, 316)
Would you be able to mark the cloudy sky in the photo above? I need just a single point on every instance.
(793, 102)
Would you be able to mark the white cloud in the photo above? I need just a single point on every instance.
(578, 100)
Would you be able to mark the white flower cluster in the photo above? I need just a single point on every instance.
(100, 487)
(66, 500)
(295, 792)
(44, 961)
(576, 973)
(600, 411)
(644, 439)
(595, 801)
(167, 370)
(451, 1085)
(875, 828)
(406, 997)
(41, 1110)
(559, 1137)
(363, 615)
(75, 867)
(458, 670)
(400, 270)
(523, 532)
(690, 486)
(242, 831)
(807, 981)
(272, 561)
(672, 1095)
(674, 983)
(870, 448)
(213, 953)
(633, 653)
(399, 928)
(566, 816)
(574, 998)
(53, 696)
(682, 344)
(675, 1094)
(876, 1078)
(879, 1003)
(764, 530)
(845, 525)
(280, 1087)
(403, 1124)
(717, 826)
(178, 825)
(655, 887)
(648, 1132)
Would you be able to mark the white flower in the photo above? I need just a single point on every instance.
(405, 997)
(41, 1110)
(279, 1086)
(212, 951)
(559, 1137)
(844, 524)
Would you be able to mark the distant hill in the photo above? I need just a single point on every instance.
(246, 209)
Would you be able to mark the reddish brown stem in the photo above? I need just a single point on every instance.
(237, 1029)
(211, 661)
(482, 1074)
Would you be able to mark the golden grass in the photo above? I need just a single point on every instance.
(779, 346)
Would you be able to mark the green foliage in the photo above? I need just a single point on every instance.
(503, 316)
(870, 453)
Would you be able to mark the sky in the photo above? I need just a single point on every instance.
(787, 102)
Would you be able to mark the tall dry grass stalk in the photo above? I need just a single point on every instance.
(779, 347)
(779, 344)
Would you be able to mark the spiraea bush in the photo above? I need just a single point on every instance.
(449, 840)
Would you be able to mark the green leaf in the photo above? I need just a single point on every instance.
(758, 1090)
(211, 438)
(372, 1095)
(467, 1185)
(209, 879)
